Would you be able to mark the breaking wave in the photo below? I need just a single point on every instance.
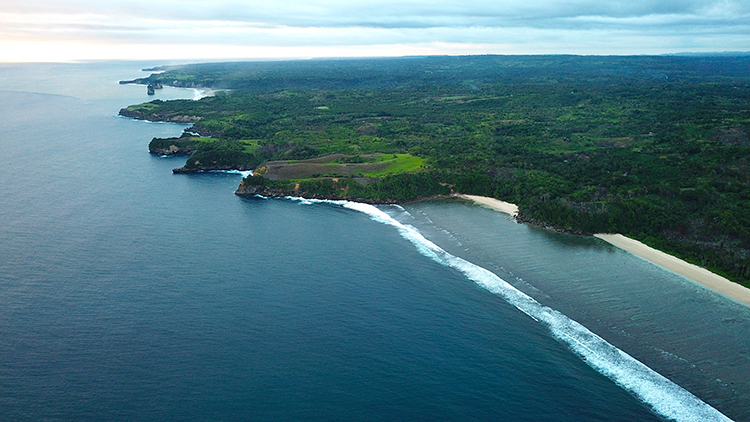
(243, 173)
(665, 397)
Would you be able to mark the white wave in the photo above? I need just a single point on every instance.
(665, 397)
(243, 173)
(199, 93)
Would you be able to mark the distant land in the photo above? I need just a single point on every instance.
(713, 54)
(653, 147)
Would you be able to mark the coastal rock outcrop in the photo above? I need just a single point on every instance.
(201, 169)
(251, 189)
(172, 150)
(157, 84)
(153, 117)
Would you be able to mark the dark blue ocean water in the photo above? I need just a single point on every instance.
(129, 293)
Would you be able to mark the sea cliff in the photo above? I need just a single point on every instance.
(250, 187)
(154, 117)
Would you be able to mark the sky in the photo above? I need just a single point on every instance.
(70, 30)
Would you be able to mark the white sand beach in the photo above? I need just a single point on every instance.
(690, 271)
(493, 203)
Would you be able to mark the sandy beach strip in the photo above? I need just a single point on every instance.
(692, 272)
(493, 203)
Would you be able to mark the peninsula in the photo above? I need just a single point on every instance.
(656, 148)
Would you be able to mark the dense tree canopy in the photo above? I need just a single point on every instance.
(656, 148)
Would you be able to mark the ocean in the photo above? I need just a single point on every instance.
(130, 293)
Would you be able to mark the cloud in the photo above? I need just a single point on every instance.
(385, 13)
(565, 26)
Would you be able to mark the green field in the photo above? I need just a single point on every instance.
(341, 165)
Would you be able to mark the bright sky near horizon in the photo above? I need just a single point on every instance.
(65, 30)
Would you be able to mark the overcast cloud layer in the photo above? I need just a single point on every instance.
(78, 29)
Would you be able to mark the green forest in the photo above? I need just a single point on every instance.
(654, 147)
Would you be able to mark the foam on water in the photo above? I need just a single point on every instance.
(665, 397)
(243, 173)
(199, 93)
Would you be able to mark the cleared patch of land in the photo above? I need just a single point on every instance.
(341, 165)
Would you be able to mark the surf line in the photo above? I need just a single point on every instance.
(664, 396)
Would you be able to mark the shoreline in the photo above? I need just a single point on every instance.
(692, 272)
(495, 204)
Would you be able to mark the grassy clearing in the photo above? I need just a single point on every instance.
(371, 165)
(397, 163)
(250, 146)
(388, 163)
(144, 108)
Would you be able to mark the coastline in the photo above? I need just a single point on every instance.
(495, 204)
(690, 271)
(694, 273)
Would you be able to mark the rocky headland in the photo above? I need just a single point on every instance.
(203, 169)
(154, 117)
(250, 189)
(175, 148)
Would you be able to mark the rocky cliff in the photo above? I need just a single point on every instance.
(153, 117)
(249, 190)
